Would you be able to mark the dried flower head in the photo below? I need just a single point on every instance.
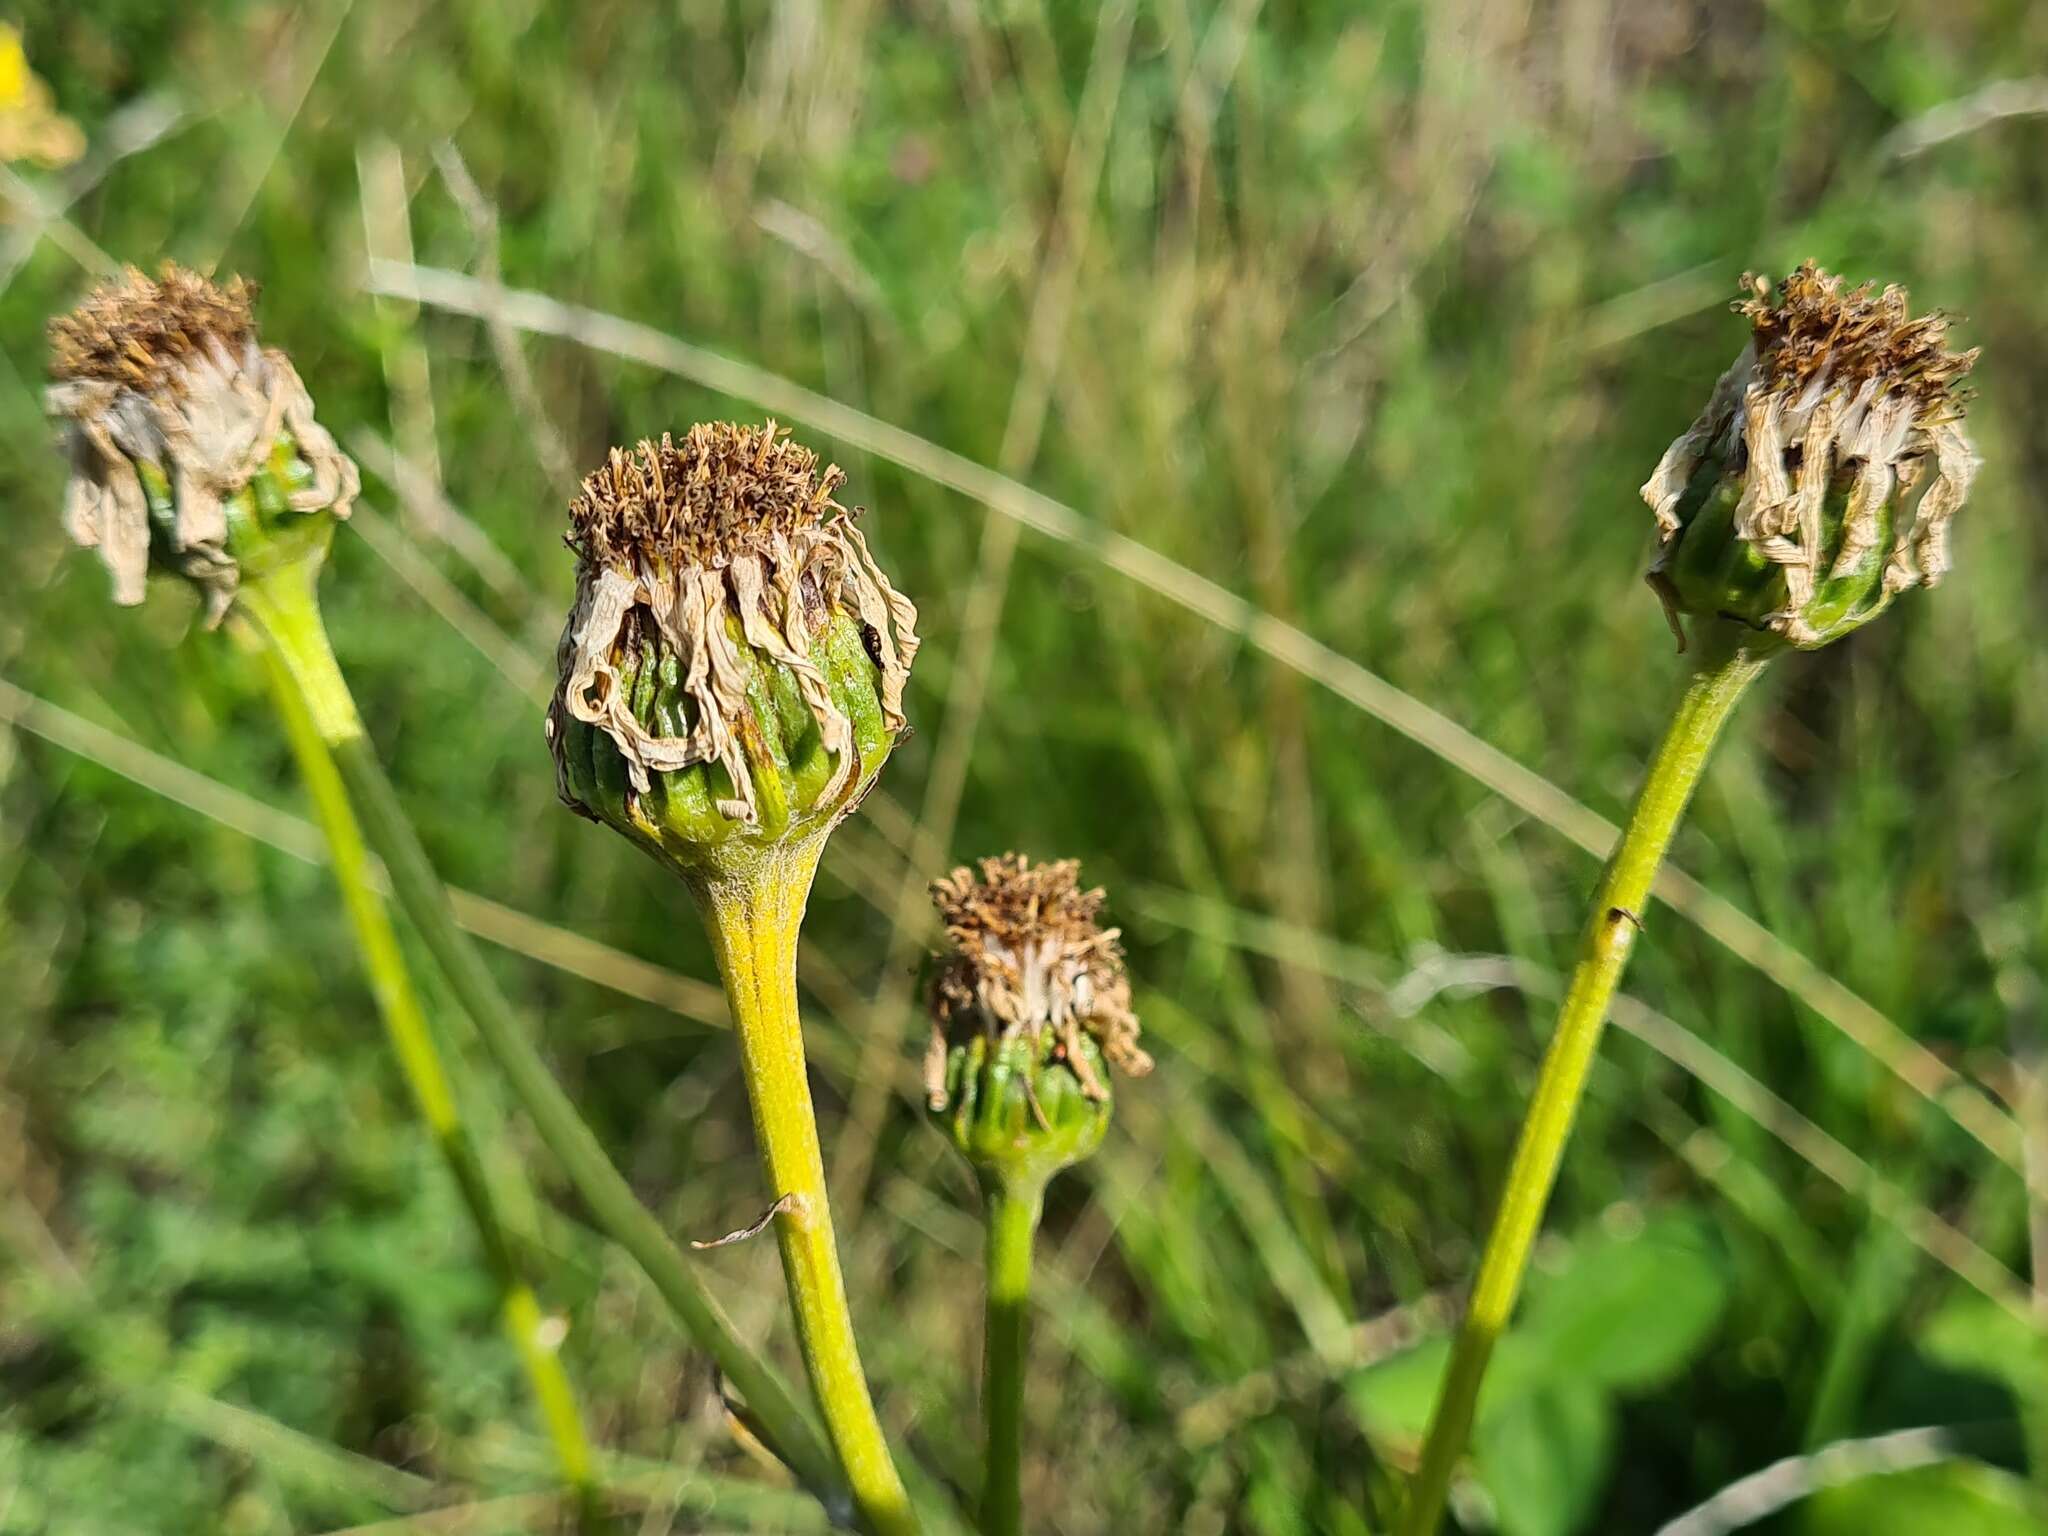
(735, 658)
(1827, 467)
(169, 409)
(1030, 1005)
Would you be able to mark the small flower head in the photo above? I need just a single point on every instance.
(732, 670)
(1030, 1010)
(1823, 475)
(193, 449)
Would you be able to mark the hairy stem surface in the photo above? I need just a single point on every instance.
(753, 917)
(1716, 685)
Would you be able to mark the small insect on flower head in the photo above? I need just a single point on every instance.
(1030, 1009)
(732, 670)
(192, 447)
(1823, 475)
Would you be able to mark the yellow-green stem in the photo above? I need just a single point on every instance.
(427, 1074)
(754, 917)
(1716, 685)
(283, 605)
(1012, 1211)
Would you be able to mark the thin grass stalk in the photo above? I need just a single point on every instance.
(285, 608)
(431, 1081)
(1722, 676)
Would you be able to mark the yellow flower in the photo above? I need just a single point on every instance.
(31, 127)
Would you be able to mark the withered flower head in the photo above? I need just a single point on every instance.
(1823, 475)
(169, 411)
(733, 666)
(1030, 1007)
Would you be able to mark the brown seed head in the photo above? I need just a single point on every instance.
(1816, 327)
(136, 330)
(1029, 954)
(724, 490)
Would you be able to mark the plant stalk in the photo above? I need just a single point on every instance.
(428, 1077)
(1718, 681)
(1012, 1213)
(753, 917)
(283, 604)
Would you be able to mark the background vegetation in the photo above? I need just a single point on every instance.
(1373, 316)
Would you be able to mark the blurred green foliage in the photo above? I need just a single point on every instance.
(1377, 316)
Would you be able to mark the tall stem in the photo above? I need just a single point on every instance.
(429, 1080)
(1012, 1219)
(753, 917)
(283, 605)
(1610, 932)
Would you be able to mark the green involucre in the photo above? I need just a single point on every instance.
(677, 818)
(1016, 1109)
(1711, 572)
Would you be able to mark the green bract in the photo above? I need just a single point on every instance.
(1822, 477)
(732, 672)
(1017, 1110)
(1030, 1008)
(192, 448)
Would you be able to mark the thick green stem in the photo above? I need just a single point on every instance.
(283, 605)
(1012, 1216)
(428, 1077)
(753, 917)
(1603, 953)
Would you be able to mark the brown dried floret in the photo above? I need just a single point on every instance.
(725, 490)
(1818, 326)
(136, 330)
(728, 538)
(1029, 955)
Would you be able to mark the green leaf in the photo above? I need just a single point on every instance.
(1956, 1498)
(1543, 1456)
(1623, 1313)
(1974, 1333)
(1393, 1398)
(1627, 1311)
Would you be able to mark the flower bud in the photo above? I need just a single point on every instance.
(169, 412)
(732, 670)
(1823, 475)
(1030, 1009)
